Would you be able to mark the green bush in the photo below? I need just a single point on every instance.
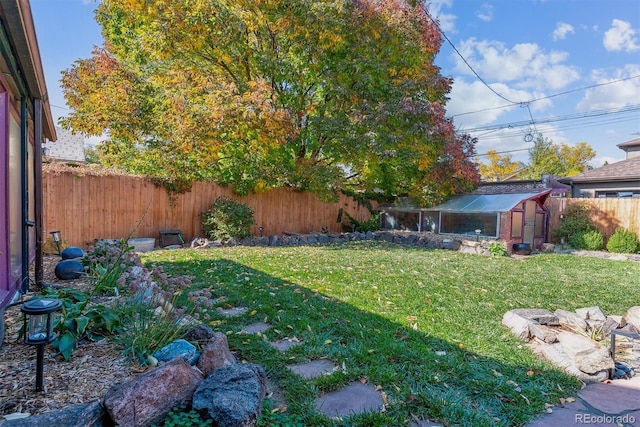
(623, 241)
(371, 224)
(592, 240)
(227, 218)
(498, 249)
(575, 222)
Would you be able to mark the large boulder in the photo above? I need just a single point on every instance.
(86, 415)
(69, 269)
(232, 395)
(215, 354)
(632, 318)
(587, 355)
(149, 397)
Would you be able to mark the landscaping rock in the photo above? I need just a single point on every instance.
(632, 318)
(256, 328)
(539, 315)
(148, 398)
(519, 325)
(85, 415)
(215, 354)
(570, 319)
(179, 348)
(200, 333)
(232, 395)
(355, 398)
(313, 369)
(591, 313)
(69, 269)
(72, 252)
(587, 355)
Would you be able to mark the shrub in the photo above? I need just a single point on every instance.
(576, 221)
(592, 240)
(498, 249)
(227, 218)
(372, 224)
(623, 241)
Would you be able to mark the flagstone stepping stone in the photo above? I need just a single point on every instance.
(232, 312)
(313, 369)
(256, 328)
(285, 344)
(353, 399)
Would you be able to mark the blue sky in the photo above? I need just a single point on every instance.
(568, 69)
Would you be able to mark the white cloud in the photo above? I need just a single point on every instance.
(525, 64)
(620, 37)
(486, 12)
(446, 21)
(561, 31)
(615, 95)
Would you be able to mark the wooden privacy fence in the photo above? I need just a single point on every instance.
(606, 214)
(87, 207)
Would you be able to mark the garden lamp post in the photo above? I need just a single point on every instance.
(55, 236)
(478, 231)
(38, 329)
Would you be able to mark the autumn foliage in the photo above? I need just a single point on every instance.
(319, 96)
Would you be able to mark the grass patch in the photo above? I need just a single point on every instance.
(424, 325)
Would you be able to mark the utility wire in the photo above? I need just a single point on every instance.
(424, 8)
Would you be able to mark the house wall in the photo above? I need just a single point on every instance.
(589, 190)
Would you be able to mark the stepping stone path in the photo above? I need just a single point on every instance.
(313, 369)
(353, 399)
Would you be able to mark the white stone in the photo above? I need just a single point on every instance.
(591, 313)
(571, 319)
(518, 325)
(632, 317)
(587, 355)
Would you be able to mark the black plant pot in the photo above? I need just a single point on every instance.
(522, 248)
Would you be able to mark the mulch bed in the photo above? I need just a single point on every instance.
(94, 368)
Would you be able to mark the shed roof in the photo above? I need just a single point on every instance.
(487, 202)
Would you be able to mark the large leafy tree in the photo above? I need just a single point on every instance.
(561, 160)
(319, 96)
(498, 167)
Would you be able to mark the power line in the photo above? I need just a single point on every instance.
(424, 8)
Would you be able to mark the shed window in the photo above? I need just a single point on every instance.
(468, 223)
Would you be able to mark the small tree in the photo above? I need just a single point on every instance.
(623, 241)
(228, 218)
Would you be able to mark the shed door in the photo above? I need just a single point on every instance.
(529, 221)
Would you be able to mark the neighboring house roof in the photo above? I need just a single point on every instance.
(625, 170)
(68, 147)
(487, 202)
(626, 145)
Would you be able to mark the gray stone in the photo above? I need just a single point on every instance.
(232, 395)
(200, 333)
(547, 248)
(284, 344)
(231, 312)
(179, 348)
(256, 328)
(353, 399)
(451, 245)
(518, 325)
(555, 354)
(313, 369)
(149, 397)
(542, 316)
(543, 332)
(632, 318)
(215, 354)
(571, 319)
(85, 415)
(588, 356)
(591, 313)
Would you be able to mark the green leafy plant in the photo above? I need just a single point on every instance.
(182, 417)
(80, 320)
(371, 224)
(591, 240)
(623, 241)
(575, 221)
(498, 249)
(228, 218)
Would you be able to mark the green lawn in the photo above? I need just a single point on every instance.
(424, 325)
